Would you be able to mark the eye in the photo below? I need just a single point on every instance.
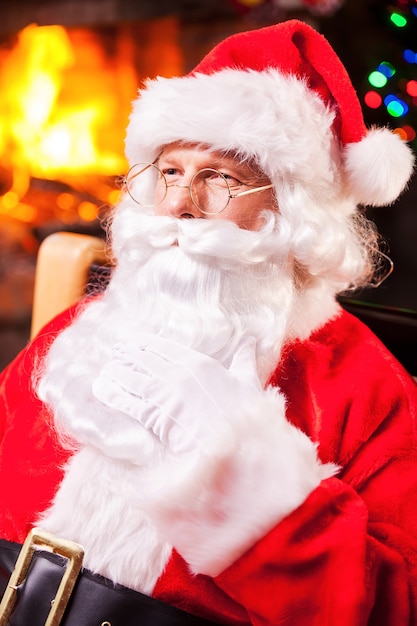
(169, 171)
(232, 180)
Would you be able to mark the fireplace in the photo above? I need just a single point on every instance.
(66, 95)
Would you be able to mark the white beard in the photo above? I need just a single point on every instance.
(217, 286)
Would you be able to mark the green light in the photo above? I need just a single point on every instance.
(398, 20)
(377, 79)
(395, 106)
(395, 109)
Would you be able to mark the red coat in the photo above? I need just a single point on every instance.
(346, 557)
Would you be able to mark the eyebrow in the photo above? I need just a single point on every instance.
(252, 168)
(236, 168)
(219, 162)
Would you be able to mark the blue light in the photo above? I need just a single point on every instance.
(410, 56)
(390, 98)
(386, 69)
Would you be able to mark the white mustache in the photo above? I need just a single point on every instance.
(220, 239)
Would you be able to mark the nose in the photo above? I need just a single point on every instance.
(178, 203)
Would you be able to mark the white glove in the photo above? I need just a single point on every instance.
(183, 397)
(245, 468)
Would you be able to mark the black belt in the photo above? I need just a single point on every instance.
(47, 573)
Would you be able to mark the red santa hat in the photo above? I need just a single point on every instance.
(280, 95)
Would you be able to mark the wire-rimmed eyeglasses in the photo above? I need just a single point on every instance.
(209, 189)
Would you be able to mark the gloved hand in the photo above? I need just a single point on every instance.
(183, 397)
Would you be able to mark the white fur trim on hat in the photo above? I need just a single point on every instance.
(378, 167)
(272, 118)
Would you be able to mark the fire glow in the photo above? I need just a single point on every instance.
(66, 97)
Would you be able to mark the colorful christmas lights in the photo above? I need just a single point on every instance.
(392, 84)
(373, 99)
(377, 79)
(411, 88)
(398, 20)
(395, 106)
(410, 56)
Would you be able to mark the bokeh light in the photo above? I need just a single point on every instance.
(411, 88)
(406, 132)
(372, 99)
(387, 69)
(395, 106)
(377, 79)
(398, 20)
(410, 56)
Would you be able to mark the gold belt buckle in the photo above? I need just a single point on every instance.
(68, 549)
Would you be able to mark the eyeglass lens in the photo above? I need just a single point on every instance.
(210, 191)
(141, 182)
(147, 186)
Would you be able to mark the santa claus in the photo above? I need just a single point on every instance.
(222, 440)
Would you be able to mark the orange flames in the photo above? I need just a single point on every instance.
(66, 97)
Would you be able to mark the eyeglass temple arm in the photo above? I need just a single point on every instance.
(248, 191)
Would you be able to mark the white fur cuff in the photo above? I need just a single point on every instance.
(216, 507)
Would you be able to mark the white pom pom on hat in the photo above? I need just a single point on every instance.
(281, 94)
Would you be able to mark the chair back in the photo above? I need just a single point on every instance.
(62, 272)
